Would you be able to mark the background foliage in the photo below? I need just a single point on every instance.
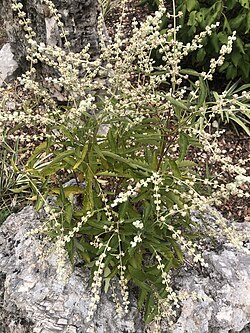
(232, 15)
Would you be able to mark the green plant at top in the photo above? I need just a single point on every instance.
(124, 137)
(232, 15)
(234, 105)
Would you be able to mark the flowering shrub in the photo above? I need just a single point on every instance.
(124, 138)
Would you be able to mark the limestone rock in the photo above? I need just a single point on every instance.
(8, 65)
(78, 16)
(35, 301)
(226, 290)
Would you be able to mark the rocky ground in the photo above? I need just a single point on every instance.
(34, 300)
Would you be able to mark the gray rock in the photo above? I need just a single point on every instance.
(8, 65)
(225, 286)
(79, 18)
(35, 300)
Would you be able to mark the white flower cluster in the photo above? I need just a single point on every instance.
(137, 239)
(138, 224)
(188, 247)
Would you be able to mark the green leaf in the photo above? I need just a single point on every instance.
(150, 309)
(236, 57)
(68, 191)
(123, 210)
(223, 37)
(177, 251)
(192, 19)
(231, 4)
(243, 87)
(247, 23)
(175, 102)
(98, 151)
(215, 42)
(240, 45)
(244, 3)
(141, 298)
(236, 22)
(191, 4)
(107, 279)
(224, 66)
(141, 284)
(88, 201)
(231, 72)
(226, 27)
(183, 144)
(183, 9)
(51, 169)
(201, 55)
(59, 157)
(84, 247)
(202, 92)
(41, 148)
(135, 164)
(68, 212)
(112, 138)
(40, 201)
(245, 68)
(191, 72)
(137, 273)
(241, 124)
(147, 211)
(174, 168)
(84, 152)
(20, 189)
(174, 198)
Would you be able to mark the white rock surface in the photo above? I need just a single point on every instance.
(8, 65)
(35, 301)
